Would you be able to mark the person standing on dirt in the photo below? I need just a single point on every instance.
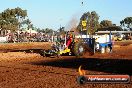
(97, 43)
(111, 45)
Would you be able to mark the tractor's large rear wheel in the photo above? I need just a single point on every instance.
(79, 49)
(82, 50)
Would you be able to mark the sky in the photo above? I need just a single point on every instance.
(56, 13)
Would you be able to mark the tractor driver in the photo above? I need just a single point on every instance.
(69, 40)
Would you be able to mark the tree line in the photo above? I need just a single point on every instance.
(17, 18)
(93, 24)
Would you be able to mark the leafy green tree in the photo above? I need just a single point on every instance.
(10, 19)
(127, 22)
(110, 28)
(61, 30)
(26, 23)
(91, 20)
(106, 23)
(48, 31)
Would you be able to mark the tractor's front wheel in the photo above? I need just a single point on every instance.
(42, 53)
(83, 50)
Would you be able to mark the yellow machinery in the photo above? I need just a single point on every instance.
(64, 51)
(117, 37)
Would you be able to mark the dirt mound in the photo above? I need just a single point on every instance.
(24, 46)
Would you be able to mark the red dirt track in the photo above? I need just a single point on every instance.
(30, 70)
